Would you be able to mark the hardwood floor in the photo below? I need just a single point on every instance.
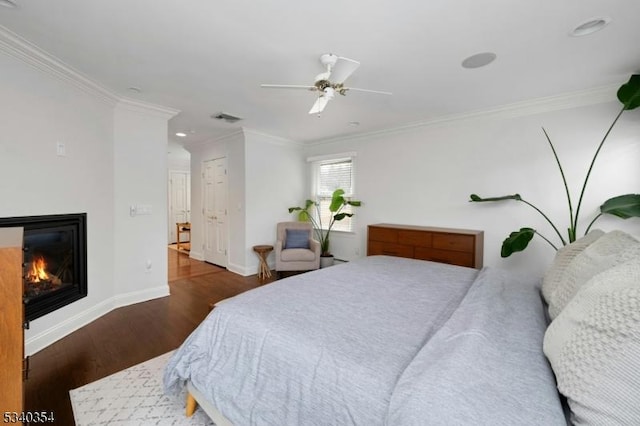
(129, 335)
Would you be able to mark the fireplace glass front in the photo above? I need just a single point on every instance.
(54, 269)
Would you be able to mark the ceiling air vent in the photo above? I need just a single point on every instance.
(226, 117)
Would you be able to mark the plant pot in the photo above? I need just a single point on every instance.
(326, 261)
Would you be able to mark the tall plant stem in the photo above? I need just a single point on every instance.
(572, 231)
(548, 220)
(546, 239)
(586, 179)
(318, 226)
(591, 224)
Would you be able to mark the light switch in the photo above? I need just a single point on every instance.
(61, 149)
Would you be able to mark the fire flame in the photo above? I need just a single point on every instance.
(38, 271)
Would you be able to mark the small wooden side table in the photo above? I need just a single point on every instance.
(184, 227)
(263, 251)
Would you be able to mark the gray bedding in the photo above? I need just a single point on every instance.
(485, 366)
(371, 342)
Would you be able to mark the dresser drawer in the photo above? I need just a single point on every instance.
(389, 249)
(415, 238)
(454, 246)
(444, 256)
(454, 242)
(383, 235)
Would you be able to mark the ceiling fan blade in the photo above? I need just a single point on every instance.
(287, 86)
(355, 89)
(319, 105)
(343, 68)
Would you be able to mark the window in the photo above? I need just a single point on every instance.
(329, 174)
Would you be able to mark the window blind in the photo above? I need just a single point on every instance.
(332, 175)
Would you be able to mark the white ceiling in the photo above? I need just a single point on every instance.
(206, 56)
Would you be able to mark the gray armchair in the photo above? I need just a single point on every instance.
(296, 258)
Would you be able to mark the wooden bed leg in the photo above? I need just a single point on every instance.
(191, 405)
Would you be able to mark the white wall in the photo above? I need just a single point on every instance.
(42, 104)
(179, 158)
(140, 173)
(424, 175)
(276, 180)
(266, 175)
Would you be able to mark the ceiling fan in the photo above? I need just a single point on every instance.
(330, 82)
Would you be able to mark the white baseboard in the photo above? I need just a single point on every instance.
(196, 255)
(239, 269)
(140, 296)
(246, 271)
(42, 340)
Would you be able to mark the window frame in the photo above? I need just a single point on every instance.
(316, 162)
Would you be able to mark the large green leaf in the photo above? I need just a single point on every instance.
(629, 93)
(623, 206)
(341, 216)
(517, 241)
(476, 198)
(337, 200)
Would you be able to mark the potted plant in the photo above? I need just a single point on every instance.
(338, 203)
(623, 206)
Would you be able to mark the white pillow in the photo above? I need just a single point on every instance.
(555, 275)
(611, 249)
(594, 348)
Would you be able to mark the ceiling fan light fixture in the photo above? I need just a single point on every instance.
(590, 26)
(479, 60)
(328, 83)
(329, 93)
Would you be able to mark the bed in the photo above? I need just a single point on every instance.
(378, 341)
(394, 341)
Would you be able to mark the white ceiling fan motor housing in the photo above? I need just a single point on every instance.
(328, 59)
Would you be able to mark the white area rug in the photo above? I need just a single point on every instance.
(132, 397)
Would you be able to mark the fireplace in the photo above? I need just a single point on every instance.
(55, 261)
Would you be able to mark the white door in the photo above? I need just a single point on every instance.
(179, 202)
(215, 211)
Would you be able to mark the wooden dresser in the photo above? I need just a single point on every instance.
(11, 320)
(462, 247)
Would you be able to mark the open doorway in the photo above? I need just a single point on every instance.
(179, 198)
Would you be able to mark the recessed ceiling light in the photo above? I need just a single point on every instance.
(479, 60)
(181, 135)
(591, 26)
(8, 3)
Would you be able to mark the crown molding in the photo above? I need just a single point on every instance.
(276, 140)
(21, 49)
(564, 101)
(147, 108)
(188, 145)
(27, 52)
